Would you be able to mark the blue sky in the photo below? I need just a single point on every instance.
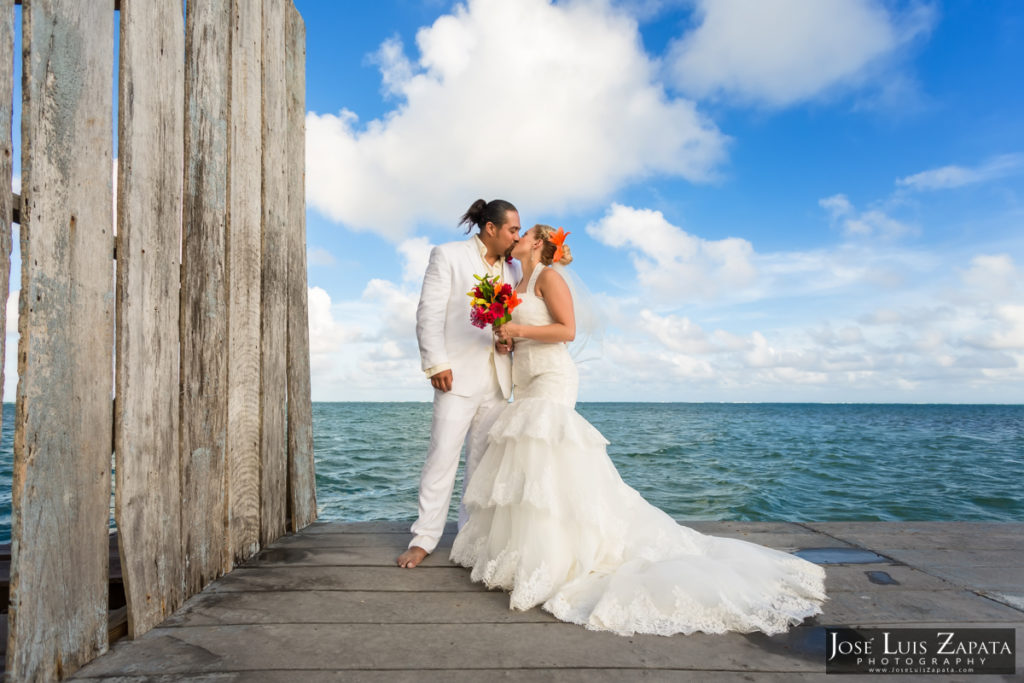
(774, 201)
(781, 200)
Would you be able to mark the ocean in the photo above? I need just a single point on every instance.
(706, 461)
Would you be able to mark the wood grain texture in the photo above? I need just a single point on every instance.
(244, 275)
(63, 427)
(301, 475)
(204, 309)
(146, 410)
(6, 151)
(274, 323)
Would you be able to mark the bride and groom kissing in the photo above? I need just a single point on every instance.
(544, 513)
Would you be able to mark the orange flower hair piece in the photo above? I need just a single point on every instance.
(558, 239)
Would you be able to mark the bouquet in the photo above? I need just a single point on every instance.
(492, 301)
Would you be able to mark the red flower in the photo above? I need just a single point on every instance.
(499, 300)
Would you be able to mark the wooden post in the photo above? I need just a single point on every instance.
(273, 382)
(6, 150)
(244, 258)
(150, 143)
(63, 433)
(204, 294)
(301, 476)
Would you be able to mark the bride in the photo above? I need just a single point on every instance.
(552, 521)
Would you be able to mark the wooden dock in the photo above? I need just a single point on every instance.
(328, 603)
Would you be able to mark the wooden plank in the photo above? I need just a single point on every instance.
(150, 143)
(274, 323)
(204, 294)
(6, 152)
(248, 650)
(351, 607)
(377, 578)
(301, 473)
(244, 302)
(279, 623)
(63, 427)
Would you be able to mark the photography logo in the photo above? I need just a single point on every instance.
(920, 650)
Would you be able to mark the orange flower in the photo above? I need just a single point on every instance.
(513, 301)
(558, 239)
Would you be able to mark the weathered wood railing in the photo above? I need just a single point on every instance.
(202, 316)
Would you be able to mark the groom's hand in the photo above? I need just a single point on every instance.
(442, 381)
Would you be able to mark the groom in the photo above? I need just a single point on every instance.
(472, 382)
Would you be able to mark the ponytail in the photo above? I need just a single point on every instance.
(481, 212)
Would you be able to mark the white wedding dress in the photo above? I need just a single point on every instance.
(552, 521)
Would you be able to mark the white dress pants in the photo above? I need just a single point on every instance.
(457, 420)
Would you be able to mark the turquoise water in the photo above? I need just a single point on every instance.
(797, 462)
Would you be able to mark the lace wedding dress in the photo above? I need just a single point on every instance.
(552, 521)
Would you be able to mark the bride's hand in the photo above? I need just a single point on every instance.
(505, 332)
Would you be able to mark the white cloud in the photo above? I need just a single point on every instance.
(544, 105)
(671, 263)
(10, 387)
(956, 337)
(837, 205)
(318, 256)
(777, 52)
(808, 324)
(326, 335)
(397, 308)
(372, 354)
(415, 253)
(677, 333)
(11, 313)
(863, 224)
(1010, 332)
(674, 267)
(994, 275)
(942, 352)
(948, 177)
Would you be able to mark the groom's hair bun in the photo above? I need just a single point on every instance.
(482, 212)
(547, 252)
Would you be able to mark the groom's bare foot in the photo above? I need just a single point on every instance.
(412, 557)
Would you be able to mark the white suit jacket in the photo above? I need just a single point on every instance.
(443, 330)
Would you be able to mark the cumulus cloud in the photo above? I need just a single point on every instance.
(326, 334)
(10, 387)
(670, 261)
(318, 256)
(365, 348)
(542, 104)
(870, 223)
(808, 323)
(415, 253)
(948, 177)
(777, 52)
(675, 267)
(958, 337)
(1010, 328)
(994, 275)
(11, 314)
